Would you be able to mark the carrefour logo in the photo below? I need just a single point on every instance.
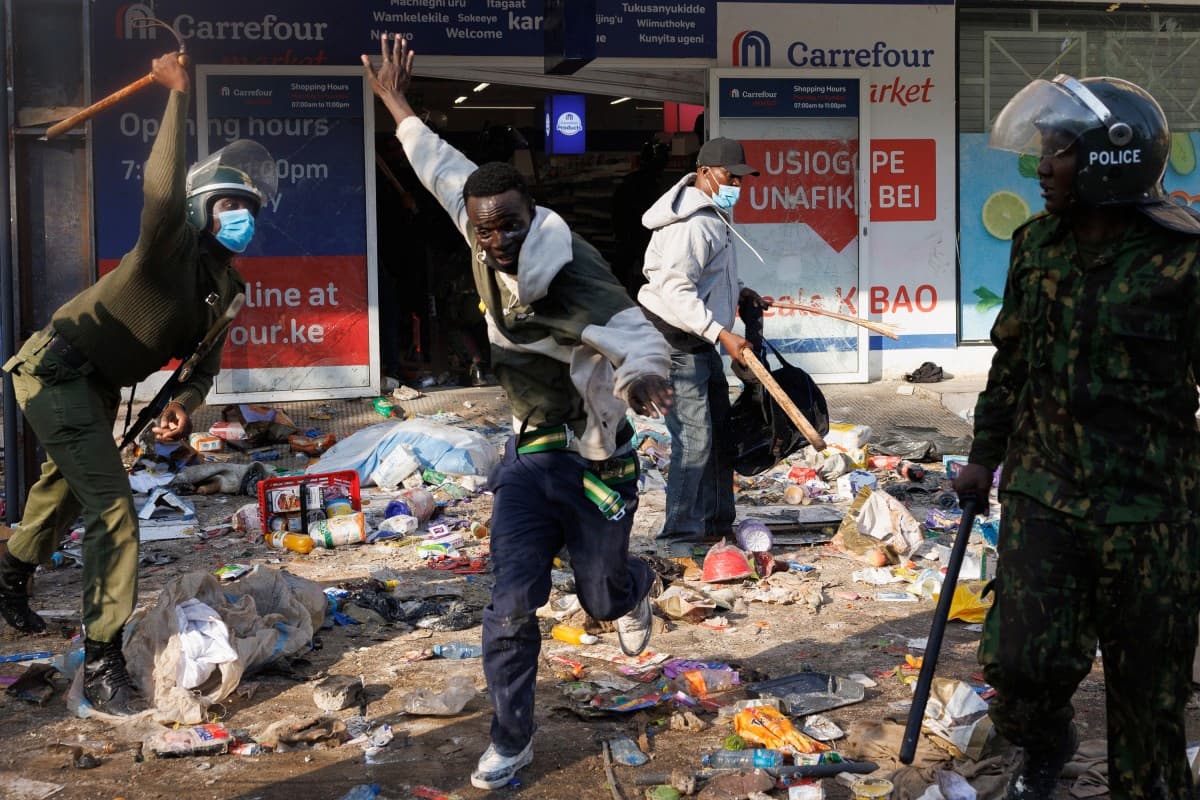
(751, 49)
(266, 28)
(127, 21)
(569, 124)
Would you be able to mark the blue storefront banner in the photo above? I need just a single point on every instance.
(788, 97)
(316, 32)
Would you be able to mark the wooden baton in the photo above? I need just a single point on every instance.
(798, 419)
(83, 115)
(888, 330)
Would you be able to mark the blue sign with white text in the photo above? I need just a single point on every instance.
(788, 97)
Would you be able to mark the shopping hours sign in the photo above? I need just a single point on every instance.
(309, 325)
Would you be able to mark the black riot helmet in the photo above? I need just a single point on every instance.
(1120, 134)
(242, 168)
(1119, 130)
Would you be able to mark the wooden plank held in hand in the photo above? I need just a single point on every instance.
(799, 420)
(884, 328)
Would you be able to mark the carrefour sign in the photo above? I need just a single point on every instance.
(565, 124)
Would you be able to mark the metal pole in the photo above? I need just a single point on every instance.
(12, 483)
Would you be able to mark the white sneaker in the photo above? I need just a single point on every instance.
(495, 770)
(634, 629)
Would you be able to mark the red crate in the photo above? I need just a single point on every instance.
(343, 483)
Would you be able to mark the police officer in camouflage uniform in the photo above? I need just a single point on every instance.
(157, 304)
(1091, 405)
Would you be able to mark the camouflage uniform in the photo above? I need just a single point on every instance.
(1092, 398)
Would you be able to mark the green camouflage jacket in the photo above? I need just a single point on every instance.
(1091, 399)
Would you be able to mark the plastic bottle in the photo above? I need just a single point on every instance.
(417, 503)
(458, 650)
(625, 751)
(572, 635)
(738, 759)
(296, 542)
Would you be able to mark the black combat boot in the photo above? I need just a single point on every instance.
(106, 682)
(1038, 775)
(16, 587)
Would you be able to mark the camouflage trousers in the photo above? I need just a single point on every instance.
(1064, 585)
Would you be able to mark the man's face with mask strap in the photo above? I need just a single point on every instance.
(500, 223)
(720, 185)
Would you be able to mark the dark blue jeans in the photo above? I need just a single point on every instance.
(539, 507)
(700, 485)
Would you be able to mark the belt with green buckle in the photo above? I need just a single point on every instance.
(598, 481)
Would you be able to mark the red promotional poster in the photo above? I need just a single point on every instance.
(809, 181)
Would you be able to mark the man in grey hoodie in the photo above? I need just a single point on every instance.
(691, 296)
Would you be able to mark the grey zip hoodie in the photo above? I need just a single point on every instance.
(567, 342)
(691, 264)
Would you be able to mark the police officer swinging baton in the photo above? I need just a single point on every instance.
(183, 373)
(916, 713)
(59, 128)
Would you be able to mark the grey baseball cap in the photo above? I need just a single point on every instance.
(726, 153)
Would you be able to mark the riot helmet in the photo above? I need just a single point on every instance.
(1119, 131)
(242, 168)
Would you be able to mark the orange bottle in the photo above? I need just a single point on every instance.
(286, 540)
(570, 635)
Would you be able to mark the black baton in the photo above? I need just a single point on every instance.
(916, 714)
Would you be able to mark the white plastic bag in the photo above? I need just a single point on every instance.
(203, 643)
(451, 700)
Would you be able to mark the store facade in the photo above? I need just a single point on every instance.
(878, 196)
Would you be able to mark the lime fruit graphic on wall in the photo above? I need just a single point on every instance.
(1003, 213)
(1027, 165)
(1183, 154)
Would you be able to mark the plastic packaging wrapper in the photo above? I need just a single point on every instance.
(958, 717)
(968, 604)
(269, 615)
(766, 726)
(444, 448)
(451, 700)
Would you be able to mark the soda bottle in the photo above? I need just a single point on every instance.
(296, 542)
(743, 759)
(572, 635)
(457, 650)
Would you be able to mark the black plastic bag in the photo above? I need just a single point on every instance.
(760, 433)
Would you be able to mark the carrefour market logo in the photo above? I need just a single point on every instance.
(266, 28)
(751, 49)
(569, 124)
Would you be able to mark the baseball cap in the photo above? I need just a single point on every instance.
(727, 153)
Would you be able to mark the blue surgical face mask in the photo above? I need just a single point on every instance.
(726, 197)
(237, 229)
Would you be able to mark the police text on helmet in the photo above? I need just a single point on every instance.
(1112, 157)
